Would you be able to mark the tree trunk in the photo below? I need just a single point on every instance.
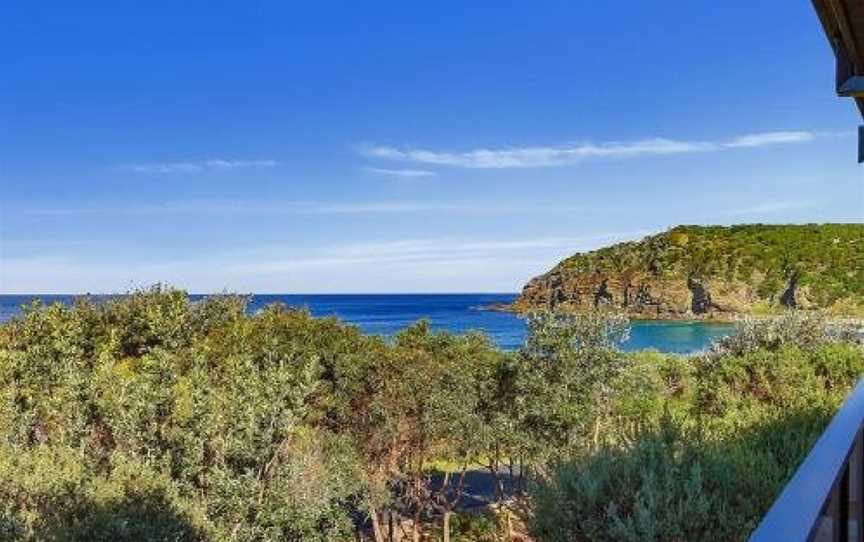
(509, 524)
(521, 484)
(376, 527)
(416, 527)
(500, 494)
(596, 436)
(447, 526)
(494, 464)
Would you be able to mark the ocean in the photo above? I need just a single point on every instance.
(385, 314)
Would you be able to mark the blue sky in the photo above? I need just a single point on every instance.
(400, 146)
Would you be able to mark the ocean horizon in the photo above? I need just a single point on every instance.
(386, 314)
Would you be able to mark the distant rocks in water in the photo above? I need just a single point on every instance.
(712, 272)
(498, 307)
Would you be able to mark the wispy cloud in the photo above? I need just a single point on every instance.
(199, 166)
(432, 257)
(400, 173)
(770, 138)
(437, 264)
(537, 157)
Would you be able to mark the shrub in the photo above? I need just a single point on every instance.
(150, 417)
(792, 327)
(158, 418)
(699, 452)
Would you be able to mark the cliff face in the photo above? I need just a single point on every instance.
(644, 295)
(712, 272)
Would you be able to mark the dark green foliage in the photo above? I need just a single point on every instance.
(562, 377)
(477, 527)
(98, 403)
(699, 449)
(825, 259)
(676, 485)
(149, 417)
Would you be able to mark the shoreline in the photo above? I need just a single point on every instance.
(728, 318)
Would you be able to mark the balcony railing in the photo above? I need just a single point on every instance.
(824, 500)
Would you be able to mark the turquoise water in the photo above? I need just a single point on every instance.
(385, 314)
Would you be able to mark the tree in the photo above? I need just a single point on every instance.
(563, 377)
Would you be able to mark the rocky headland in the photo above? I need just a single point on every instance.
(712, 272)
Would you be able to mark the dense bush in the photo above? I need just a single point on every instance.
(804, 329)
(698, 449)
(151, 417)
(826, 260)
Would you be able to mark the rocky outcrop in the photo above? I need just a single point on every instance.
(788, 298)
(639, 295)
(706, 273)
(700, 297)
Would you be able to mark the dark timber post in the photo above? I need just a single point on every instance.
(856, 488)
(860, 144)
(843, 23)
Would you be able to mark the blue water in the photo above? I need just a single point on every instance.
(458, 313)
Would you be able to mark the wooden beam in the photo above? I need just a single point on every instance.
(842, 20)
(861, 156)
(826, 17)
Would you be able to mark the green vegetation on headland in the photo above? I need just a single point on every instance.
(713, 272)
(150, 417)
